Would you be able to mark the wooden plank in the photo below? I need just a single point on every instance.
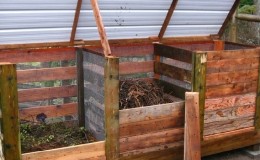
(37, 94)
(75, 22)
(172, 72)
(10, 138)
(153, 125)
(257, 113)
(112, 107)
(167, 19)
(221, 78)
(230, 101)
(199, 83)
(37, 55)
(101, 28)
(233, 54)
(228, 125)
(229, 16)
(151, 139)
(219, 45)
(232, 65)
(248, 17)
(93, 151)
(30, 114)
(231, 89)
(80, 83)
(192, 149)
(151, 112)
(135, 67)
(173, 53)
(46, 74)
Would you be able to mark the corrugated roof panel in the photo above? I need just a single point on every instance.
(27, 21)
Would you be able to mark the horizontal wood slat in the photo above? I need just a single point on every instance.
(37, 55)
(242, 53)
(173, 53)
(136, 67)
(232, 65)
(230, 89)
(172, 72)
(151, 139)
(214, 79)
(92, 151)
(230, 101)
(149, 126)
(30, 95)
(46, 74)
(50, 111)
(150, 112)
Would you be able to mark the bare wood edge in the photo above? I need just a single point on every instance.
(167, 19)
(75, 22)
(229, 16)
(257, 109)
(101, 28)
(92, 150)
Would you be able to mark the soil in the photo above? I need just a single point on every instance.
(38, 137)
(139, 93)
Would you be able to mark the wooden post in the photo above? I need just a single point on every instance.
(199, 83)
(192, 148)
(75, 22)
(80, 80)
(233, 28)
(257, 112)
(112, 107)
(219, 45)
(101, 28)
(10, 132)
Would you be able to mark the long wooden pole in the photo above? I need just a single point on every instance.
(10, 133)
(101, 28)
(248, 17)
(75, 22)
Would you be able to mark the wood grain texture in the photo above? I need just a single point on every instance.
(219, 45)
(151, 112)
(192, 148)
(112, 107)
(230, 101)
(173, 53)
(93, 151)
(257, 113)
(172, 72)
(46, 74)
(135, 67)
(30, 95)
(37, 55)
(10, 137)
(232, 65)
(75, 21)
(221, 78)
(151, 139)
(233, 54)
(231, 89)
(153, 125)
(50, 111)
(199, 84)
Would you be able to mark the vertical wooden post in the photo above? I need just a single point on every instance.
(219, 45)
(9, 112)
(257, 112)
(192, 149)
(112, 107)
(233, 28)
(157, 58)
(101, 28)
(199, 83)
(80, 81)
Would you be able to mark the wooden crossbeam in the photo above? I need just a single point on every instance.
(167, 19)
(101, 28)
(75, 22)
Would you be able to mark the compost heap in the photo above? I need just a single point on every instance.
(139, 93)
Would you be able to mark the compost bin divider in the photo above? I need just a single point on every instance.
(111, 76)
(80, 77)
(257, 111)
(199, 83)
(10, 134)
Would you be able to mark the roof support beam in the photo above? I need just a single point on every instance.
(167, 19)
(101, 28)
(75, 22)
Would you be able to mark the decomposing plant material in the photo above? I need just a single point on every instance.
(138, 93)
